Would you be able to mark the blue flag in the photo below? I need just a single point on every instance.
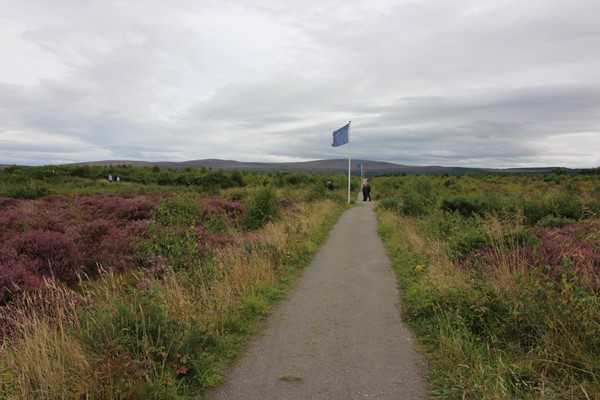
(340, 137)
(359, 165)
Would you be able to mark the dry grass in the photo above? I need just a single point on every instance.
(44, 360)
(441, 271)
(242, 272)
(510, 260)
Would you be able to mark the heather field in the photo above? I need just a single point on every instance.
(500, 278)
(144, 288)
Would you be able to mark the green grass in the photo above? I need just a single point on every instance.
(493, 324)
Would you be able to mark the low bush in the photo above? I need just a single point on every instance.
(263, 208)
(562, 206)
(469, 206)
(52, 254)
(26, 192)
(176, 233)
(391, 204)
(464, 242)
(418, 196)
(318, 192)
(17, 276)
(551, 221)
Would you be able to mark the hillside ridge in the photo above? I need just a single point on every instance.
(328, 165)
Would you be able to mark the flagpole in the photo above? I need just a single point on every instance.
(349, 157)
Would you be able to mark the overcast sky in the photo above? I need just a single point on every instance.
(479, 83)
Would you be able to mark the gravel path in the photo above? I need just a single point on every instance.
(339, 334)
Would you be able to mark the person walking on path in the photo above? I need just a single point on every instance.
(339, 334)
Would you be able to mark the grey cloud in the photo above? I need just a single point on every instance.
(537, 111)
(481, 83)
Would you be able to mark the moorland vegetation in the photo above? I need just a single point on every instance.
(500, 279)
(143, 288)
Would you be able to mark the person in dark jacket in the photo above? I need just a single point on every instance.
(366, 190)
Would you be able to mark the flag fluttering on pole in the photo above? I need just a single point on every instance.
(340, 137)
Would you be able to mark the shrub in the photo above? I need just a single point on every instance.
(390, 203)
(262, 209)
(592, 207)
(27, 192)
(470, 206)
(181, 246)
(418, 197)
(536, 208)
(231, 209)
(117, 209)
(181, 210)
(560, 206)
(84, 171)
(565, 255)
(176, 233)
(237, 178)
(550, 221)
(103, 243)
(478, 310)
(54, 253)
(466, 240)
(317, 192)
(17, 276)
(568, 205)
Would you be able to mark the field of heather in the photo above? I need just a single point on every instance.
(65, 237)
(501, 281)
(145, 288)
(142, 289)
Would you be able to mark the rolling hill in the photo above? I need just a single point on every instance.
(328, 166)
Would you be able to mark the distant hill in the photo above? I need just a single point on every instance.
(328, 166)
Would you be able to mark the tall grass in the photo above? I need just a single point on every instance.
(506, 307)
(164, 332)
(43, 359)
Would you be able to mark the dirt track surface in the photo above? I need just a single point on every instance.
(339, 334)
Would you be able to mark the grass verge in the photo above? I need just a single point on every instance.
(494, 326)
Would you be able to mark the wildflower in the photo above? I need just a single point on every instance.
(419, 267)
(144, 285)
